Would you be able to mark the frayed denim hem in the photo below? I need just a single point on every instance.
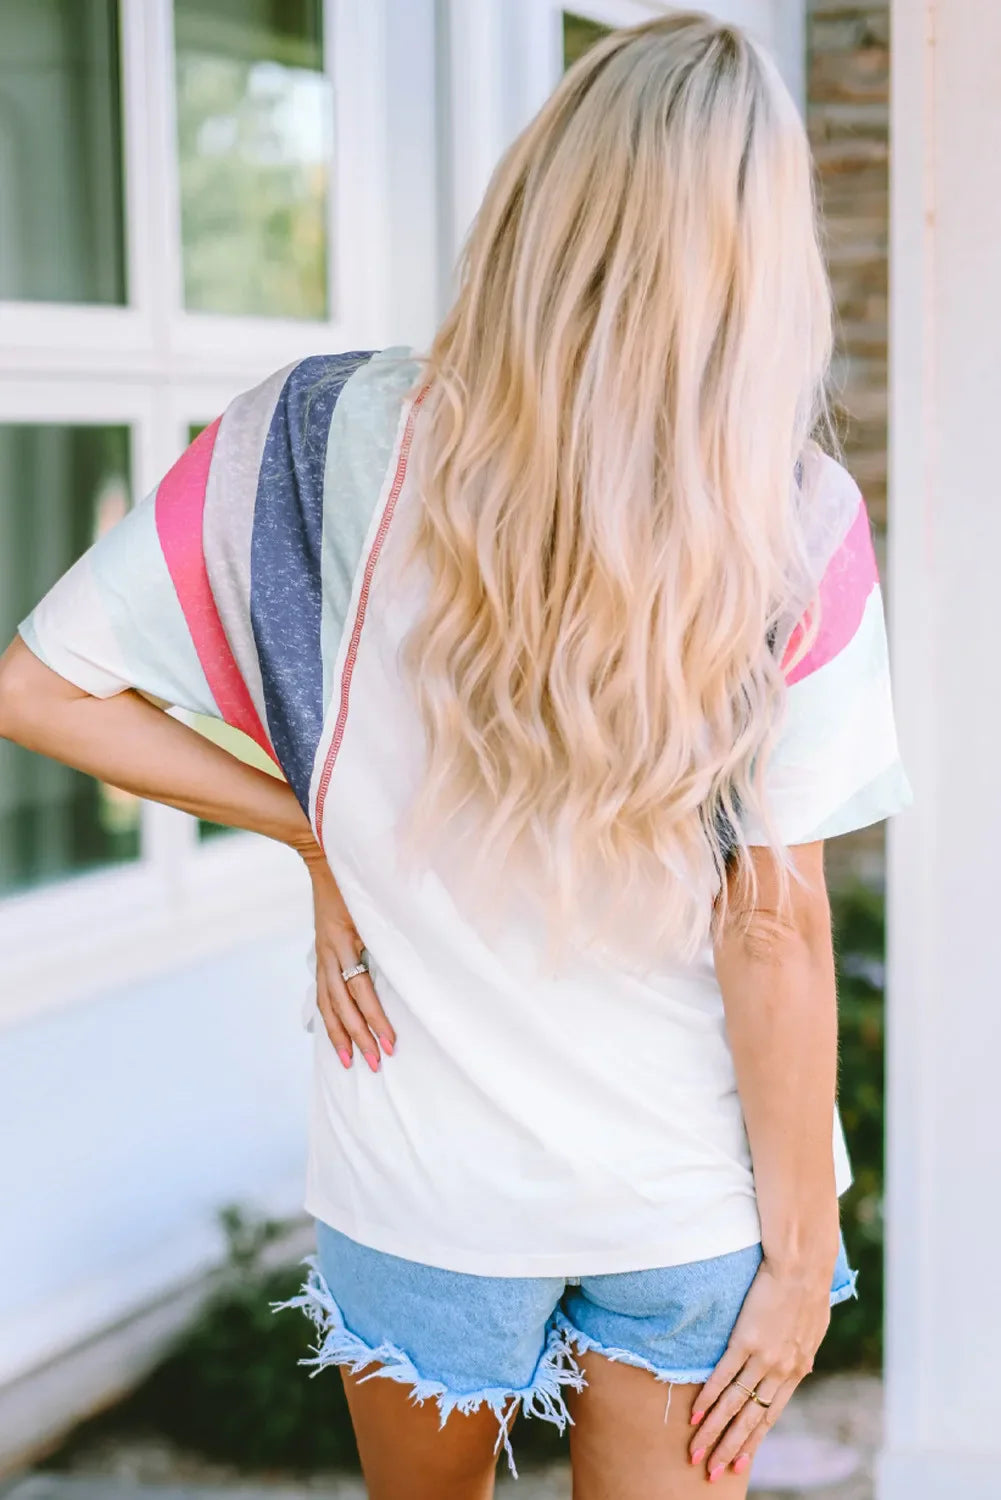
(542, 1398)
(584, 1344)
(842, 1293)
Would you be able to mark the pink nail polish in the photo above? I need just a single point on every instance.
(697, 1417)
(698, 1455)
(345, 1056)
(372, 1059)
(741, 1463)
(386, 1045)
(715, 1473)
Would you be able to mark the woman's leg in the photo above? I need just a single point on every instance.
(406, 1455)
(623, 1447)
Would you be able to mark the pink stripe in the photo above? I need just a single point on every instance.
(366, 585)
(848, 581)
(179, 508)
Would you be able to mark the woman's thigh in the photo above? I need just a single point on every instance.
(406, 1450)
(436, 1365)
(647, 1342)
(630, 1437)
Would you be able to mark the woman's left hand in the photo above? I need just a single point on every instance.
(351, 1010)
(778, 1331)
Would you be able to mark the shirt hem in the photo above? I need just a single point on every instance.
(566, 1262)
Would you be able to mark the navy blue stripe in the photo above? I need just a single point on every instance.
(286, 591)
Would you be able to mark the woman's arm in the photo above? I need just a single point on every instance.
(126, 741)
(776, 972)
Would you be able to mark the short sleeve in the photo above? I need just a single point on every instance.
(836, 765)
(207, 594)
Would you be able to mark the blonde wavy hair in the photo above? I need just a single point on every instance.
(620, 397)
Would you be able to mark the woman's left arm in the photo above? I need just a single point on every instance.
(776, 971)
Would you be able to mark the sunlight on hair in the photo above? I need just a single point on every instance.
(614, 464)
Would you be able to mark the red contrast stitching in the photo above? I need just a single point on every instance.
(352, 651)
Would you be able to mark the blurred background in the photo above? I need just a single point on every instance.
(192, 194)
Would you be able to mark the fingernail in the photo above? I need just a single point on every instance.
(742, 1463)
(715, 1473)
(373, 1061)
(698, 1455)
(386, 1045)
(697, 1417)
(345, 1056)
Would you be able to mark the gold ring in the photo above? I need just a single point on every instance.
(753, 1394)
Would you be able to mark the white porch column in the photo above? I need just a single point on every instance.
(943, 1365)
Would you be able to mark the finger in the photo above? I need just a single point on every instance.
(732, 1362)
(745, 1435)
(348, 953)
(340, 1040)
(353, 1021)
(737, 1434)
(718, 1400)
(367, 1000)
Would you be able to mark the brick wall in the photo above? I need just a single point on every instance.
(848, 121)
(848, 58)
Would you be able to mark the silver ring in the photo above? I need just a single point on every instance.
(359, 968)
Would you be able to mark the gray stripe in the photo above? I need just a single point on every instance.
(230, 499)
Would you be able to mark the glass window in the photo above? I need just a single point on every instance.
(60, 488)
(578, 35)
(255, 140)
(61, 226)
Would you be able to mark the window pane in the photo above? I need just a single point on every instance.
(578, 35)
(60, 488)
(61, 226)
(255, 138)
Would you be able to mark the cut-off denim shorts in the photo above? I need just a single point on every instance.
(469, 1341)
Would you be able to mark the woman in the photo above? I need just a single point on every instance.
(567, 639)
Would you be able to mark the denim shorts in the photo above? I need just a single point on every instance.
(468, 1341)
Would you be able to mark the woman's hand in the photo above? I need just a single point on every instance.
(781, 1324)
(351, 1011)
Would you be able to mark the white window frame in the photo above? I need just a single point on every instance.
(155, 368)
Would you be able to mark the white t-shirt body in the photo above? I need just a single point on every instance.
(528, 1123)
(525, 1125)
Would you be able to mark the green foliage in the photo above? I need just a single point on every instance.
(232, 1389)
(578, 35)
(854, 1339)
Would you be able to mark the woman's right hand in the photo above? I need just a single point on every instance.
(351, 1010)
(774, 1341)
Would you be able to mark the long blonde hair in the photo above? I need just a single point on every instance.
(621, 395)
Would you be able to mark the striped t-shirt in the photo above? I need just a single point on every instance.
(527, 1124)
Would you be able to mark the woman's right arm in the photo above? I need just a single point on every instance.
(128, 742)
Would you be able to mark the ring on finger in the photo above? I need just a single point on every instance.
(753, 1394)
(359, 968)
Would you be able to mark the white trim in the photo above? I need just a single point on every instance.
(913, 976)
(118, 1332)
(78, 937)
